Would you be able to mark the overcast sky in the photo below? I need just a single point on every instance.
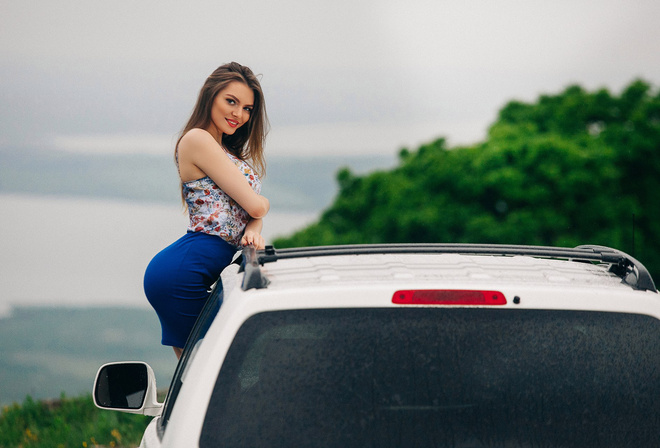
(345, 76)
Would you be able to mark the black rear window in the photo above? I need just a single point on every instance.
(439, 377)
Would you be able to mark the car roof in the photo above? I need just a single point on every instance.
(585, 266)
(429, 268)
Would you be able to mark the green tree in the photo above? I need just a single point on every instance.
(570, 169)
(627, 125)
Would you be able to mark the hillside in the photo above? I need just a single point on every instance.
(48, 351)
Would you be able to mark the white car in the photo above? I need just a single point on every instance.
(413, 346)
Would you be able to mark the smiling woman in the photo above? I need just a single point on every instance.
(219, 156)
(232, 107)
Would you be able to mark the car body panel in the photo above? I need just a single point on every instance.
(370, 281)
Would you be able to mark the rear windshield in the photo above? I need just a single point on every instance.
(439, 377)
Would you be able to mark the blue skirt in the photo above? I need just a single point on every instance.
(178, 280)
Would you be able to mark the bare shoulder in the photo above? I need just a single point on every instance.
(196, 138)
(198, 153)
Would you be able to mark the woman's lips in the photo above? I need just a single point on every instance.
(232, 123)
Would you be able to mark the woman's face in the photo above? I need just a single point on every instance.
(231, 108)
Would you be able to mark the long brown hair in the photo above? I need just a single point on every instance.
(247, 143)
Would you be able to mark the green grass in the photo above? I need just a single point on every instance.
(68, 422)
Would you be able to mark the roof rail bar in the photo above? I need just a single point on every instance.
(439, 248)
(632, 272)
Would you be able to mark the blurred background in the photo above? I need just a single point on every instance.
(499, 112)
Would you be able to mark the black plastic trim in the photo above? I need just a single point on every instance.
(631, 271)
(253, 277)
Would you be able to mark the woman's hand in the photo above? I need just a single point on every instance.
(254, 238)
(252, 234)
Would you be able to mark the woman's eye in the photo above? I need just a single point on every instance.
(230, 101)
(248, 110)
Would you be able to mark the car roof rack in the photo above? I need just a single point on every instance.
(254, 277)
(631, 271)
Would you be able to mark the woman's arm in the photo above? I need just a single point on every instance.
(200, 155)
(252, 234)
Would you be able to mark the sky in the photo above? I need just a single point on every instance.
(340, 77)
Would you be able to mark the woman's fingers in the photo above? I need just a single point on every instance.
(255, 239)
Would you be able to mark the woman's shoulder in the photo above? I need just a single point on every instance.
(196, 137)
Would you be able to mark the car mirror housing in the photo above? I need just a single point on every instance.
(128, 387)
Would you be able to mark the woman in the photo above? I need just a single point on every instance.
(221, 189)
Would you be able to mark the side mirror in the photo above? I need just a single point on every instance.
(128, 387)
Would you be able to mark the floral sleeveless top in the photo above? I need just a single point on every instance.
(212, 211)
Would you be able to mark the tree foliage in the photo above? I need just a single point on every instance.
(574, 168)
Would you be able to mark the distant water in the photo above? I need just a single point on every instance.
(86, 252)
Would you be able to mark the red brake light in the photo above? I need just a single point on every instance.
(448, 297)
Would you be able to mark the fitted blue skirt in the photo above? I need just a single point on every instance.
(178, 280)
